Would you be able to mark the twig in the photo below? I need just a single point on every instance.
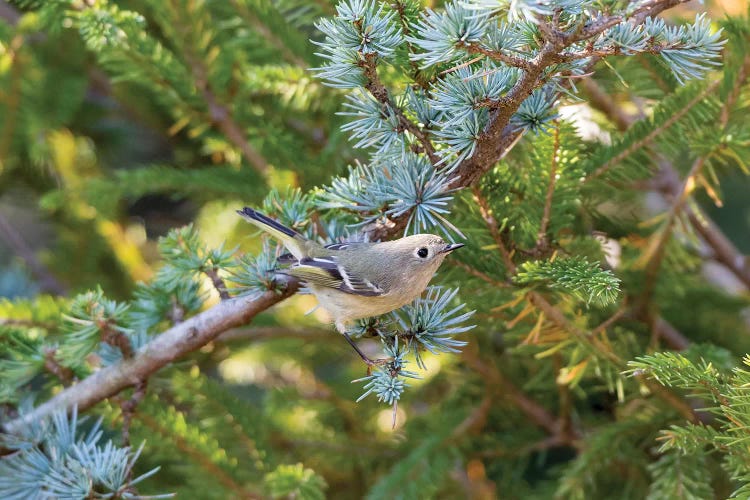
(598, 99)
(380, 93)
(663, 329)
(495, 379)
(541, 242)
(51, 364)
(219, 114)
(417, 74)
(653, 134)
(510, 60)
(263, 30)
(128, 408)
(15, 241)
(116, 338)
(489, 219)
(479, 274)
(217, 282)
(656, 255)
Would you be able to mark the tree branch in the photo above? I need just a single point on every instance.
(174, 343)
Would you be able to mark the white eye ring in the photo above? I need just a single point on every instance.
(422, 252)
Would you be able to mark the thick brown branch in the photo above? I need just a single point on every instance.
(165, 348)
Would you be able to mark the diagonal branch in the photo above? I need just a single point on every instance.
(167, 347)
(218, 113)
(649, 138)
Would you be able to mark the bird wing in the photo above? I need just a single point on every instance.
(329, 273)
(288, 258)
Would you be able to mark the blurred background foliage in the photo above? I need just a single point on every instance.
(104, 149)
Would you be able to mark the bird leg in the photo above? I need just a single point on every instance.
(369, 362)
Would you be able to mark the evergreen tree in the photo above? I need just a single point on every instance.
(578, 347)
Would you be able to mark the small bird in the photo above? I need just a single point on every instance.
(357, 279)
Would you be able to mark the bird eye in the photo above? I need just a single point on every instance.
(423, 252)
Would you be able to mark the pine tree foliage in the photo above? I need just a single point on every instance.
(54, 459)
(578, 277)
(726, 396)
(544, 359)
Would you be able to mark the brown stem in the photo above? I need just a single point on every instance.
(489, 219)
(541, 242)
(653, 134)
(15, 241)
(219, 114)
(217, 282)
(63, 373)
(510, 60)
(116, 338)
(598, 99)
(380, 93)
(495, 379)
(656, 256)
(671, 335)
(128, 408)
(479, 274)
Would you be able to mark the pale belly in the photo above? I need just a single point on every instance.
(346, 307)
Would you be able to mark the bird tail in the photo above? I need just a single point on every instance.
(291, 239)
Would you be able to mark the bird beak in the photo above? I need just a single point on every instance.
(450, 248)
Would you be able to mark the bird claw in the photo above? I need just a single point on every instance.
(375, 363)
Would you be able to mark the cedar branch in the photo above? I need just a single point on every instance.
(197, 331)
(167, 347)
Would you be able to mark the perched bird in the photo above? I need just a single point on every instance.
(357, 279)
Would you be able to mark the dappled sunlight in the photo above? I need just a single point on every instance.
(384, 419)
